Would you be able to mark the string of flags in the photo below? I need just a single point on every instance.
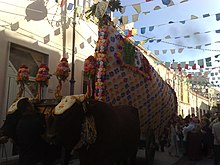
(124, 20)
(133, 32)
(46, 39)
(179, 37)
(137, 6)
(201, 63)
(197, 73)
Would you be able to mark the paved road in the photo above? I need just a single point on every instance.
(161, 158)
(185, 161)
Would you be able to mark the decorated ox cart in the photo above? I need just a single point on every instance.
(121, 74)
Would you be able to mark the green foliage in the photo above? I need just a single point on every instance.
(129, 52)
(114, 5)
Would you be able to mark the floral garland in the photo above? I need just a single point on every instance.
(62, 71)
(100, 54)
(43, 75)
(23, 74)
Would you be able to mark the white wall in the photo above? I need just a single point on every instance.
(30, 32)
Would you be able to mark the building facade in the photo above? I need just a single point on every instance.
(41, 32)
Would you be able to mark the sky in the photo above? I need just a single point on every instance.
(182, 35)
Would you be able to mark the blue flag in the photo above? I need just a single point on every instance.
(143, 30)
(218, 16)
(70, 6)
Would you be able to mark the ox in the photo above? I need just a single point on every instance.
(102, 134)
(25, 126)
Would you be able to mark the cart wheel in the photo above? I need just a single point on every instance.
(150, 147)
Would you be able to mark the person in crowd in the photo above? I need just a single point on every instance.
(26, 127)
(173, 149)
(189, 125)
(163, 139)
(207, 137)
(179, 133)
(216, 133)
(214, 120)
(194, 141)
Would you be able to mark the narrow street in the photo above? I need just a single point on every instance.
(185, 161)
(163, 158)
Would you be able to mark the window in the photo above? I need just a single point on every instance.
(216, 73)
(21, 55)
(213, 78)
(212, 74)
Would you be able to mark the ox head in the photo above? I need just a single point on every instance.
(65, 125)
(15, 111)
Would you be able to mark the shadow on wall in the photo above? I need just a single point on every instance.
(79, 76)
(36, 11)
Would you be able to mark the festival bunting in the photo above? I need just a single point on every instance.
(15, 26)
(57, 32)
(201, 63)
(193, 17)
(156, 52)
(137, 7)
(124, 19)
(47, 39)
(167, 64)
(135, 17)
(172, 51)
(180, 50)
(61, 2)
(70, 6)
(164, 51)
(143, 29)
(208, 62)
(199, 66)
(168, 2)
(157, 8)
(182, 64)
(218, 17)
(194, 67)
(191, 63)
